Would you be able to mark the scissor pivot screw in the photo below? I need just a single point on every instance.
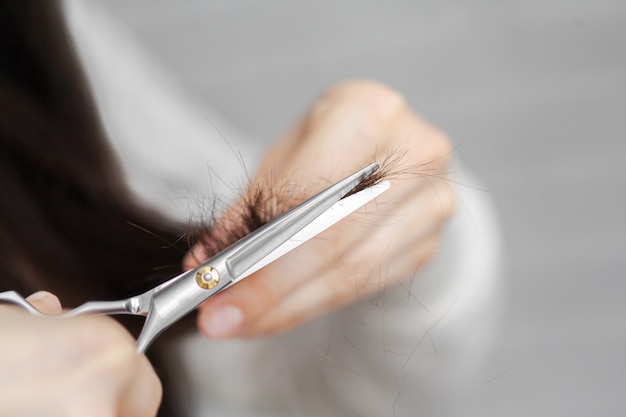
(207, 277)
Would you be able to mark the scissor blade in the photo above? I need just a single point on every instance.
(336, 212)
(177, 299)
(256, 246)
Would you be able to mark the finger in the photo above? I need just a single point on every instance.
(337, 288)
(362, 267)
(372, 120)
(143, 394)
(45, 302)
(354, 246)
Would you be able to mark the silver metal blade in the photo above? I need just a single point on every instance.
(337, 212)
(257, 245)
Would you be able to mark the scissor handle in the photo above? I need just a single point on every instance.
(126, 306)
(11, 297)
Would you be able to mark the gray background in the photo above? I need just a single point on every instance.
(534, 95)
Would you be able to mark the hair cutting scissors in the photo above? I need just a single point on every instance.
(168, 302)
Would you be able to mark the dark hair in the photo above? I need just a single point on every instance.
(68, 224)
(67, 220)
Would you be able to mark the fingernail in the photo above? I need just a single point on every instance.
(37, 296)
(223, 321)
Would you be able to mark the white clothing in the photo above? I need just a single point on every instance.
(403, 352)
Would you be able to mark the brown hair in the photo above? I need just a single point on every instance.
(67, 221)
(66, 217)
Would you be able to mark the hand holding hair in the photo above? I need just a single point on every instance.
(385, 242)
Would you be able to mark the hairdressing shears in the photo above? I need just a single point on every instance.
(168, 302)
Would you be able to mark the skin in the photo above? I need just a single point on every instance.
(102, 375)
(391, 238)
(387, 241)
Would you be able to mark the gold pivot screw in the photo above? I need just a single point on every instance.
(207, 277)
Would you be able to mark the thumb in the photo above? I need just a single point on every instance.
(45, 302)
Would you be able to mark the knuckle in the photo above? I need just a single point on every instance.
(364, 90)
(430, 156)
(377, 101)
(432, 146)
